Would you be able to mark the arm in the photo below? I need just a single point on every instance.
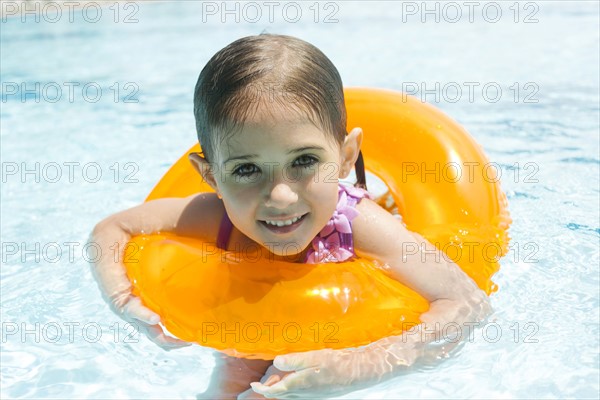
(195, 216)
(453, 297)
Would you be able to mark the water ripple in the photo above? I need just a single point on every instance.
(577, 227)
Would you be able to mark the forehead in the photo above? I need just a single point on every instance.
(275, 130)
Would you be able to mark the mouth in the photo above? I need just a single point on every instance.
(283, 226)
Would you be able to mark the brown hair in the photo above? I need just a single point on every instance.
(283, 71)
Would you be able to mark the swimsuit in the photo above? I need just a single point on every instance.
(334, 243)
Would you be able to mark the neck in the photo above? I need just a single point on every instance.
(294, 258)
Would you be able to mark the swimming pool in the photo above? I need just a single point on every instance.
(96, 106)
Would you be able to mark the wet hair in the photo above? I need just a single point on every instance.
(269, 71)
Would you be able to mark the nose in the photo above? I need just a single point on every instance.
(282, 196)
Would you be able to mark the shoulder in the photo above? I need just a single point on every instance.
(377, 234)
(200, 216)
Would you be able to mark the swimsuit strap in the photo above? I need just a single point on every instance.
(347, 242)
(224, 232)
(346, 239)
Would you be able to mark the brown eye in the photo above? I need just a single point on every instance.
(246, 170)
(305, 161)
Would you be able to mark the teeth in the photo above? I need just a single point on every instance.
(283, 223)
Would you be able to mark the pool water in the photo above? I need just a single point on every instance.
(95, 110)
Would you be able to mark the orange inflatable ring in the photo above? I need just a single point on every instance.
(252, 307)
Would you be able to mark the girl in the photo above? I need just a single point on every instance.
(271, 118)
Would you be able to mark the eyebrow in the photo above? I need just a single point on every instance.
(293, 151)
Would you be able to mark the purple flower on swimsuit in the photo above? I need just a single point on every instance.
(334, 243)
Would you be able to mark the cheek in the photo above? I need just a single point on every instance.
(328, 176)
(239, 199)
(329, 173)
(324, 195)
(238, 189)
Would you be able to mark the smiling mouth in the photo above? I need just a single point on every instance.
(283, 226)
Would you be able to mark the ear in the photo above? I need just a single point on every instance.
(350, 150)
(206, 169)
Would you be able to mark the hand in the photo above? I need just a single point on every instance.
(116, 291)
(147, 322)
(323, 373)
(334, 372)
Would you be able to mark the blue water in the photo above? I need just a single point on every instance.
(99, 152)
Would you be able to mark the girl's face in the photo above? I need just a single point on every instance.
(278, 178)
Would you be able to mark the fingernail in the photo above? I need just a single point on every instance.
(271, 380)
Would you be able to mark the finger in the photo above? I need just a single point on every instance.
(136, 310)
(271, 380)
(297, 361)
(272, 370)
(268, 391)
(156, 334)
(296, 381)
